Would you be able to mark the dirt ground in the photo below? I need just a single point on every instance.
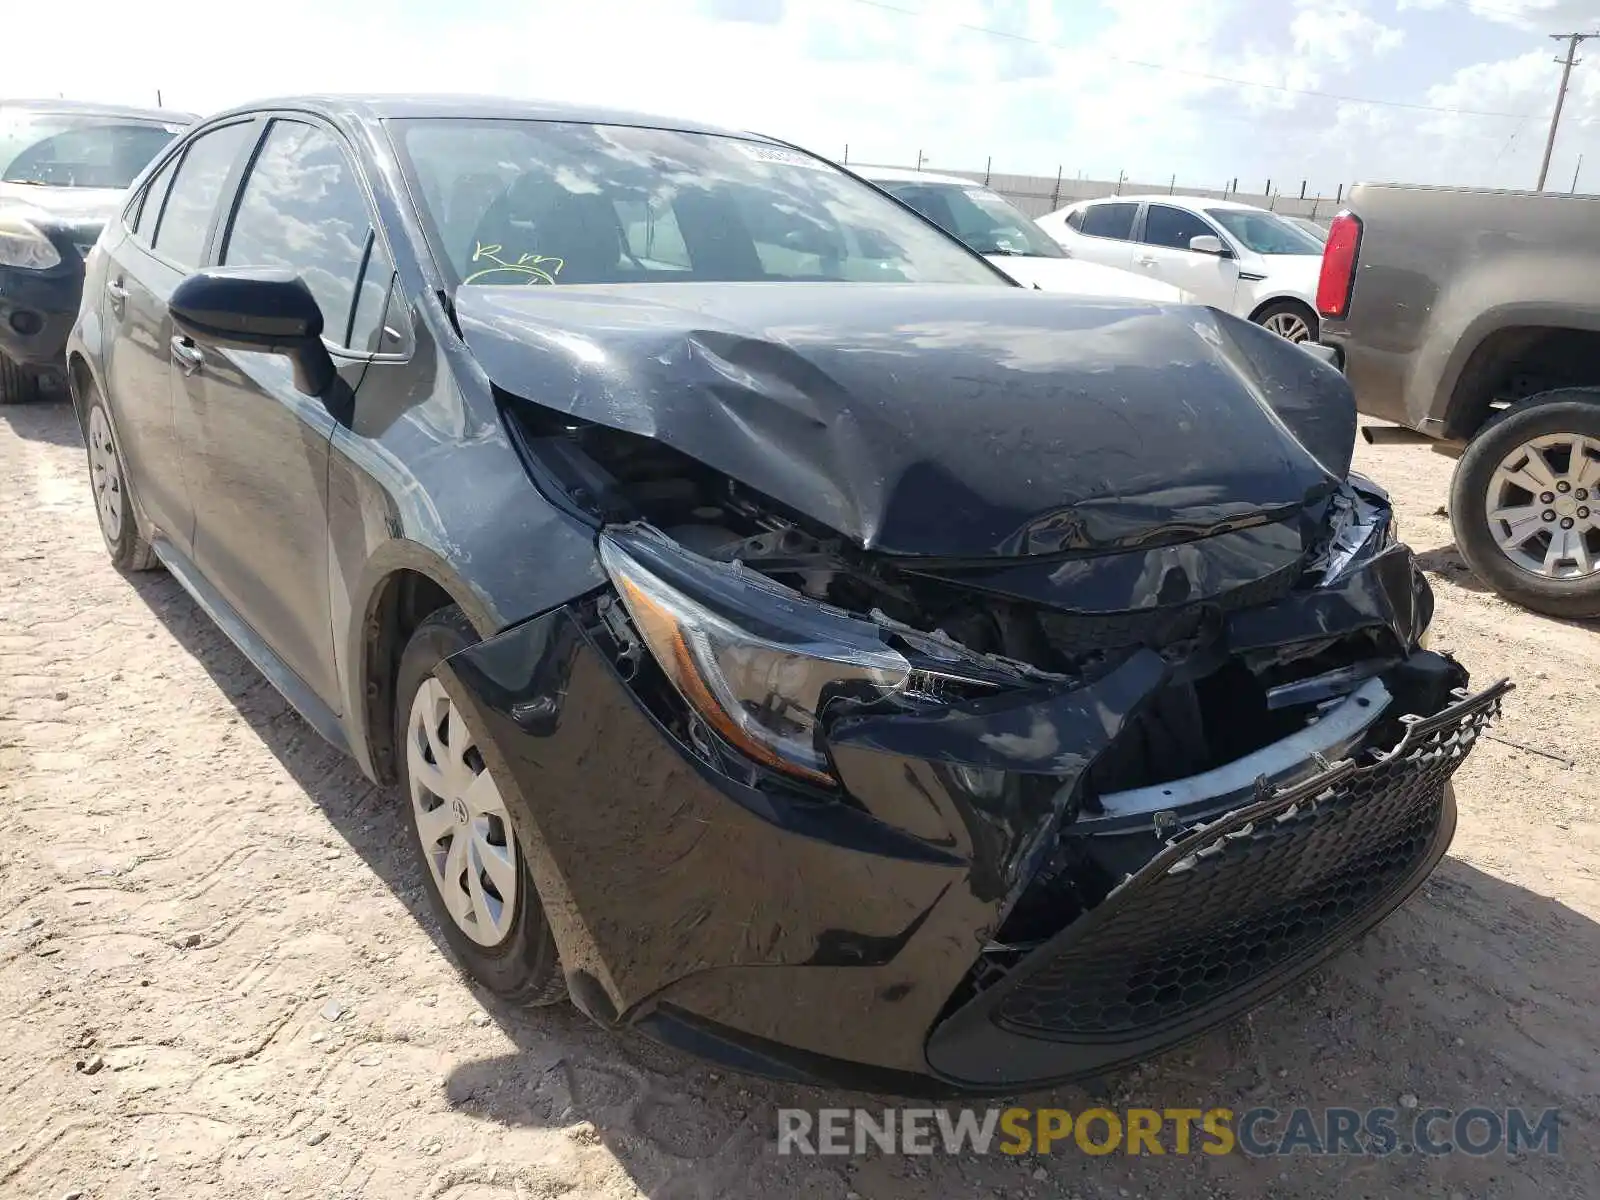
(218, 976)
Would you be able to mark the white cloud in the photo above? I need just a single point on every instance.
(1340, 34)
(1544, 16)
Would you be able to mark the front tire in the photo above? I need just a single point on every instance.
(1525, 503)
(1290, 320)
(473, 869)
(18, 384)
(126, 542)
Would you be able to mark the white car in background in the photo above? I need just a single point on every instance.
(1236, 257)
(1003, 234)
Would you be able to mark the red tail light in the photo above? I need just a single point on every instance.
(1339, 265)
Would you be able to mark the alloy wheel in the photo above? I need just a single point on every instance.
(1544, 506)
(460, 818)
(1289, 325)
(105, 475)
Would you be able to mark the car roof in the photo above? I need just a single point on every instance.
(1180, 200)
(907, 175)
(84, 108)
(417, 106)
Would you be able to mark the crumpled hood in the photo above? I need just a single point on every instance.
(942, 421)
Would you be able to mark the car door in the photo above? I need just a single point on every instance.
(259, 444)
(162, 239)
(1162, 251)
(1102, 235)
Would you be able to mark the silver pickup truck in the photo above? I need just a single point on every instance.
(1473, 318)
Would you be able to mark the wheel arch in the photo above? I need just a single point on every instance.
(1508, 350)
(1284, 298)
(404, 591)
(80, 381)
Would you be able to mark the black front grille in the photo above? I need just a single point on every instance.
(1074, 634)
(1230, 903)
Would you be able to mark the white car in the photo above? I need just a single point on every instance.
(989, 224)
(1236, 257)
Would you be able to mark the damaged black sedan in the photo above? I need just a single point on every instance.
(788, 637)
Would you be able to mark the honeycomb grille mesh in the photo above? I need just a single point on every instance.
(1188, 934)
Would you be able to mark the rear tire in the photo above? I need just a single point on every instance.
(126, 541)
(18, 384)
(1290, 320)
(466, 850)
(1550, 439)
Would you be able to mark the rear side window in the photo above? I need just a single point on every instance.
(1075, 219)
(186, 219)
(1168, 226)
(303, 210)
(1109, 220)
(151, 200)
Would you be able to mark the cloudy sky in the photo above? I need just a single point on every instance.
(1204, 89)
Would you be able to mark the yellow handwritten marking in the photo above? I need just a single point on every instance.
(529, 265)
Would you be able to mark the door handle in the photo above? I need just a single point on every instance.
(1145, 261)
(118, 294)
(189, 356)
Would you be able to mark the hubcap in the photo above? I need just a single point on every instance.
(105, 475)
(461, 819)
(1288, 325)
(1541, 505)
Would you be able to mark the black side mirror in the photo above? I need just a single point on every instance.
(252, 308)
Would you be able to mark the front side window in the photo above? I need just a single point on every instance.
(554, 202)
(986, 222)
(78, 150)
(1168, 226)
(302, 209)
(1264, 232)
(192, 200)
(1109, 220)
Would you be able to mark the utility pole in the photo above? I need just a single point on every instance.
(1574, 40)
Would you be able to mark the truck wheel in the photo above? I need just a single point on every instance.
(1525, 503)
(18, 384)
(1288, 319)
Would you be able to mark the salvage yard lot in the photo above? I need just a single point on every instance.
(218, 976)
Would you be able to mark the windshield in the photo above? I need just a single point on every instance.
(986, 222)
(73, 150)
(549, 202)
(1264, 232)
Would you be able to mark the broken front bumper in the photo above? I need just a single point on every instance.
(1225, 914)
(852, 939)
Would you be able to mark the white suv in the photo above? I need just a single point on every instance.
(1236, 257)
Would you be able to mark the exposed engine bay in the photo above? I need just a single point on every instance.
(1216, 708)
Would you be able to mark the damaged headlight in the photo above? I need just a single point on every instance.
(753, 659)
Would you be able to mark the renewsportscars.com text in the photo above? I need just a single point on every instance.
(1257, 1132)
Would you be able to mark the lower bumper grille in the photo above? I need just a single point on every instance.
(1229, 904)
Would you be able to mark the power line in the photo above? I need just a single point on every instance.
(1574, 40)
(1194, 74)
